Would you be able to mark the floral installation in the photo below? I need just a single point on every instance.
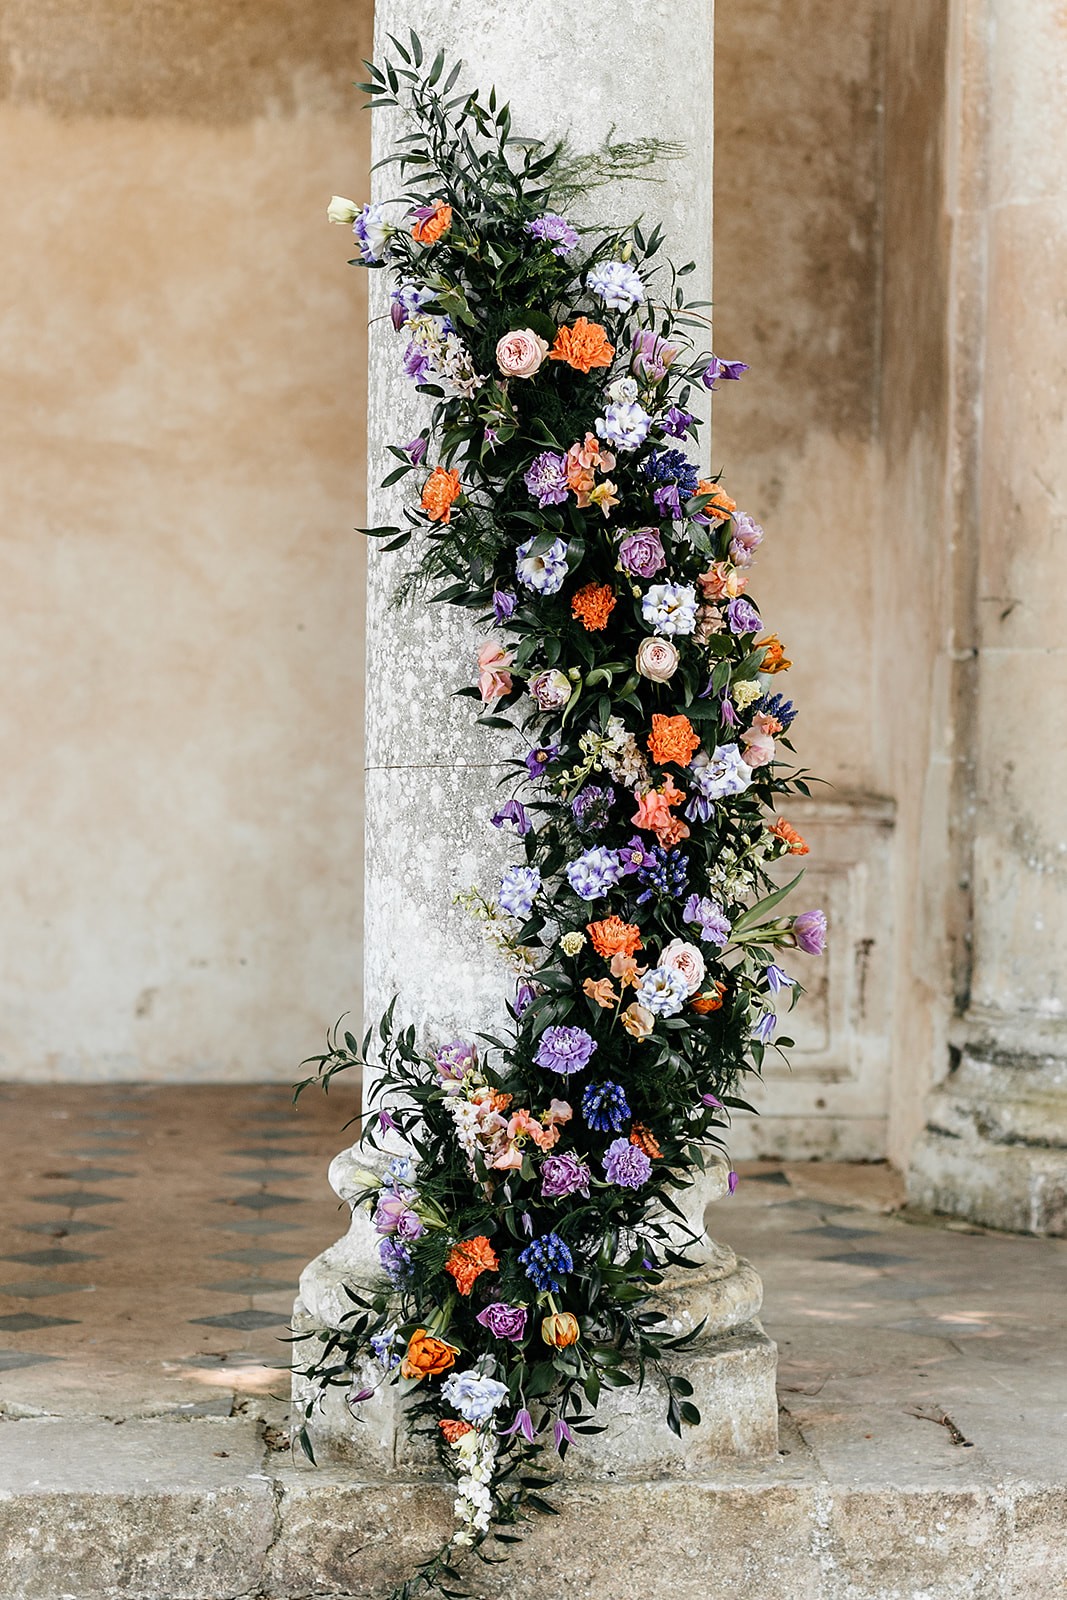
(558, 497)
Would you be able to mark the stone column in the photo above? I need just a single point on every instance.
(995, 1145)
(431, 776)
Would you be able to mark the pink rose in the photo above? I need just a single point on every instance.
(657, 659)
(759, 747)
(494, 681)
(519, 354)
(686, 960)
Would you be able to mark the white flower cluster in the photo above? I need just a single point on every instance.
(497, 927)
(447, 354)
(474, 1498)
(620, 756)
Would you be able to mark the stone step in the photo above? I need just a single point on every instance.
(207, 1509)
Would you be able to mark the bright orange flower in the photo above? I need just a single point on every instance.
(600, 990)
(583, 347)
(672, 739)
(789, 836)
(593, 604)
(427, 1356)
(560, 1329)
(439, 492)
(499, 1101)
(721, 505)
(774, 659)
(710, 1000)
(453, 1429)
(428, 230)
(614, 937)
(645, 1140)
(469, 1259)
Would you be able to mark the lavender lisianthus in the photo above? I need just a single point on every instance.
(626, 1164)
(554, 230)
(594, 873)
(565, 1050)
(663, 991)
(745, 539)
(372, 232)
(809, 932)
(624, 425)
(641, 553)
(742, 616)
(546, 478)
(724, 772)
(394, 1216)
(652, 355)
(551, 689)
(543, 573)
(717, 369)
(670, 608)
(564, 1174)
(454, 1061)
(518, 891)
(616, 283)
(503, 1321)
(712, 920)
(605, 1107)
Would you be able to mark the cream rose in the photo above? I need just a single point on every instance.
(520, 353)
(687, 961)
(342, 210)
(657, 659)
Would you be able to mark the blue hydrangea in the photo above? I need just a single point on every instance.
(617, 283)
(546, 1262)
(605, 1107)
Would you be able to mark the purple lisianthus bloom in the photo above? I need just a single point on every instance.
(525, 995)
(723, 773)
(474, 1395)
(777, 980)
(565, 1050)
(395, 1259)
(415, 450)
(809, 932)
(713, 922)
(537, 760)
(562, 1175)
(677, 422)
(626, 1164)
(652, 355)
(546, 478)
(590, 807)
(513, 812)
(544, 573)
(393, 1215)
(416, 362)
(625, 425)
(503, 1321)
(594, 873)
(742, 616)
(717, 369)
(616, 283)
(372, 232)
(764, 1029)
(667, 501)
(504, 603)
(518, 891)
(605, 1107)
(634, 856)
(641, 553)
(745, 540)
(663, 991)
(553, 230)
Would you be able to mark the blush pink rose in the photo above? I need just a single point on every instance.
(759, 747)
(657, 659)
(520, 353)
(494, 680)
(687, 961)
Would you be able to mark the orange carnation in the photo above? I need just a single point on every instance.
(645, 1140)
(469, 1259)
(710, 1000)
(594, 604)
(439, 491)
(453, 1429)
(613, 937)
(672, 739)
(426, 1356)
(773, 655)
(584, 346)
(790, 837)
(428, 230)
(720, 505)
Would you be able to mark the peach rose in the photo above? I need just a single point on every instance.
(657, 659)
(520, 353)
(686, 960)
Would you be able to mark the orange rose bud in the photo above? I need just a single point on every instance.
(439, 491)
(720, 505)
(774, 659)
(560, 1329)
(426, 1356)
(453, 1429)
(646, 1140)
(672, 739)
(469, 1259)
(583, 347)
(790, 837)
(428, 230)
(613, 937)
(593, 605)
(710, 1000)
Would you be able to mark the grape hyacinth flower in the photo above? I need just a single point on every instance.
(475, 1396)
(626, 1164)
(777, 706)
(518, 891)
(625, 426)
(544, 573)
(553, 230)
(641, 553)
(565, 1050)
(670, 608)
(742, 616)
(605, 1107)
(674, 467)
(546, 1262)
(594, 873)
(546, 479)
(668, 874)
(663, 991)
(809, 932)
(513, 812)
(562, 1175)
(616, 283)
(712, 920)
(717, 369)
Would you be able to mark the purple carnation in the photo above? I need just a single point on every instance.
(562, 1175)
(503, 1321)
(809, 931)
(742, 617)
(626, 1164)
(553, 230)
(546, 478)
(564, 1050)
(641, 552)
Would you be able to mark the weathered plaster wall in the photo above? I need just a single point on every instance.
(180, 378)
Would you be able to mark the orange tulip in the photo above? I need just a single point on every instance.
(426, 1356)
(560, 1330)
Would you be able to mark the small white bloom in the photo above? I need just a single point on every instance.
(342, 210)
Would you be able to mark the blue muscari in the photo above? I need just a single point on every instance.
(667, 875)
(604, 1107)
(776, 705)
(547, 1262)
(672, 466)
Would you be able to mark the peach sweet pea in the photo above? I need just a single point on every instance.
(600, 990)
(638, 1021)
